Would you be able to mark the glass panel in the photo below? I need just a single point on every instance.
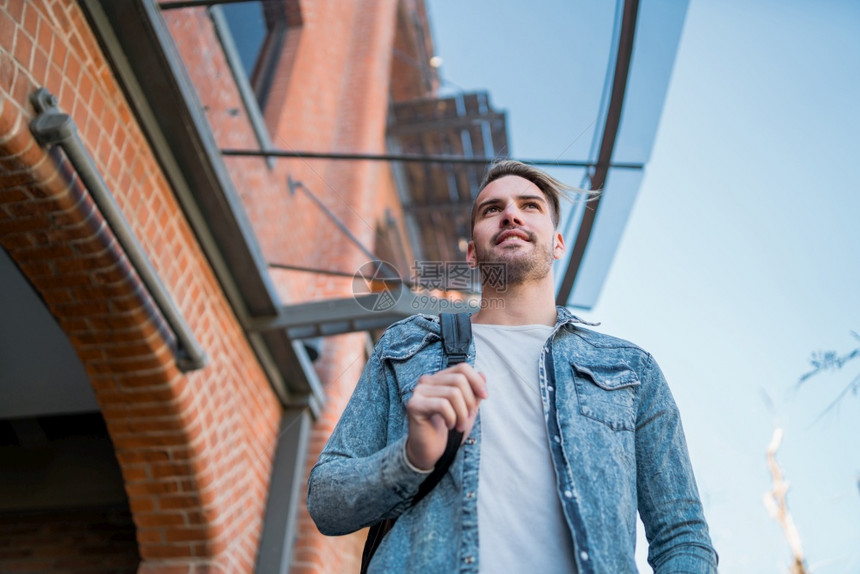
(247, 24)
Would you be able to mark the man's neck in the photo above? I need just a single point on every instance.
(526, 304)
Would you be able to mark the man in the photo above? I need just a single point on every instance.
(568, 432)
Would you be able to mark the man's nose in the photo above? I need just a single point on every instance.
(511, 215)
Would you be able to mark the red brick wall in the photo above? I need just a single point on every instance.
(196, 449)
(337, 95)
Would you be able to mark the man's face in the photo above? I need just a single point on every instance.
(513, 226)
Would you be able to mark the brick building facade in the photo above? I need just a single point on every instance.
(162, 464)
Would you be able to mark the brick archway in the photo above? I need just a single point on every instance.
(195, 464)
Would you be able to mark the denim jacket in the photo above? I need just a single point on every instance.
(615, 439)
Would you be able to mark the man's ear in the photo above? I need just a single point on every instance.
(471, 258)
(558, 248)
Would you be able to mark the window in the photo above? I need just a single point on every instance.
(258, 31)
(253, 35)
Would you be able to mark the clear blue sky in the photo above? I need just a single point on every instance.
(742, 253)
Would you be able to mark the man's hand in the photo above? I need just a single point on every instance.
(442, 401)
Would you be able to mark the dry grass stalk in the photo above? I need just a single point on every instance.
(775, 502)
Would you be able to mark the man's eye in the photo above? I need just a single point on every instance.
(491, 209)
(532, 205)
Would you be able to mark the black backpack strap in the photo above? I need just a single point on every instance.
(456, 339)
(456, 336)
(374, 538)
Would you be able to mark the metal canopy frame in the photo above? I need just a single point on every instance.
(140, 48)
(229, 237)
(417, 158)
(607, 145)
(367, 312)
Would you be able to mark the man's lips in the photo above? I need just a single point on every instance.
(509, 233)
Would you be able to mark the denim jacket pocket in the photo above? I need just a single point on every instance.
(607, 393)
(407, 364)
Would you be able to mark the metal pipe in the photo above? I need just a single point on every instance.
(412, 157)
(53, 127)
(382, 266)
(198, 3)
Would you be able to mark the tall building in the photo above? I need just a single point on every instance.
(180, 330)
(208, 211)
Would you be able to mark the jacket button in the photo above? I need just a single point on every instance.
(469, 559)
(470, 441)
(470, 494)
(568, 494)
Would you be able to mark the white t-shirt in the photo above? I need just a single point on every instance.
(521, 526)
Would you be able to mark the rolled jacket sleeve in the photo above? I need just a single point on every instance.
(361, 476)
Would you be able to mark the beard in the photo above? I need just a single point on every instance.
(502, 268)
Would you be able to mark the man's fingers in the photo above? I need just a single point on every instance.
(453, 394)
(454, 382)
(484, 385)
(455, 397)
(477, 381)
(464, 373)
(450, 397)
(429, 406)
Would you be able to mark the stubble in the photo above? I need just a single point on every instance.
(530, 262)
